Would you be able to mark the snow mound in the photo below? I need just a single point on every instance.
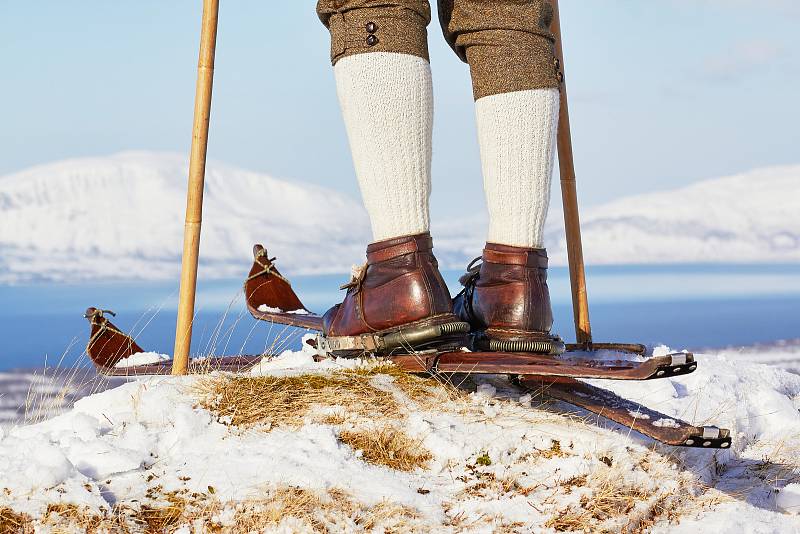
(496, 462)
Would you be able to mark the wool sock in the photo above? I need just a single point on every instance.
(387, 104)
(517, 138)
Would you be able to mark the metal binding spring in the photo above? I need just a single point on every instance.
(540, 347)
(416, 336)
(453, 328)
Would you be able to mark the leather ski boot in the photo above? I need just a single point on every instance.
(396, 303)
(506, 301)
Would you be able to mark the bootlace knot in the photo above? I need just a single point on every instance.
(268, 268)
(357, 274)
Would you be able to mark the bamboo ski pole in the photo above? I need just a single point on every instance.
(569, 196)
(194, 195)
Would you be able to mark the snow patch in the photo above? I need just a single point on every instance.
(666, 422)
(486, 390)
(142, 358)
(788, 499)
(268, 309)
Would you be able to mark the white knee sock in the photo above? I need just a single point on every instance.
(517, 137)
(387, 105)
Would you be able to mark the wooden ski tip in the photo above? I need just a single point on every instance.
(269, 295)
(107, 343)
(709, 437)
(680, 363)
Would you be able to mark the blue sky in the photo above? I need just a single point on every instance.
(663, 92)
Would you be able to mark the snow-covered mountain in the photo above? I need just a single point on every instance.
(750, 217)
(121, 216)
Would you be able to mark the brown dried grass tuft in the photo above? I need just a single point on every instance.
(300, 508)
(429, 393)
(388, 447)
(12, 522)
(610, 499)
(288, 400)
(485, 485)
(63, 517)
(162, 518)
(66, 517)
(303, 509)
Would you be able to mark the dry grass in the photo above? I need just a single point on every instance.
(368, 406)
(12, 522)
(485, 485)
(610, 499)
(163, 518)
(571, 483)
(288, 400)
(418, 388)
(298, 508)
(388, 447)
(64, 517)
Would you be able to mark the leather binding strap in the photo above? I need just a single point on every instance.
(530, 258)
(407, 245)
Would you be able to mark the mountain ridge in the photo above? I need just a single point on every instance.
(120, 217)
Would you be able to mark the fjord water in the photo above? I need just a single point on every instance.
(683, 306)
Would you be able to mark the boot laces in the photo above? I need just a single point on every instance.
(357, 274)
(473, 270)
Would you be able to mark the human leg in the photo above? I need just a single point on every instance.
(383, 79)
(515, 76)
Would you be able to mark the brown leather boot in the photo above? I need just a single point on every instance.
(398, 301)
(506, 301)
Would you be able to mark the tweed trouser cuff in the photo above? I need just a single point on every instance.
(359, 26)
(506, 61)
(507, 43)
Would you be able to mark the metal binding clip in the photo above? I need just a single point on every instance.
(679, 359)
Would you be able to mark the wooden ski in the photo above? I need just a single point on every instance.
(108, 346)
(666, 429)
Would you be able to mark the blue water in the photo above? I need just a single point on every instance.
(681, 306)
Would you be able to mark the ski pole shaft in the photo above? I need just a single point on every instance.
(569, 196)
(194, 195)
